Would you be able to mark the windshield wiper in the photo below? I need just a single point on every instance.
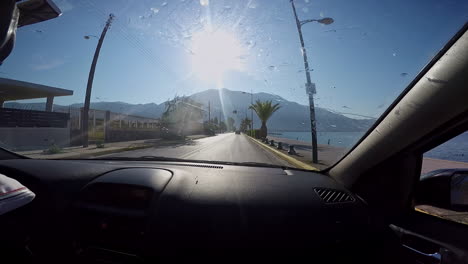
(142, 158)
(162, 158)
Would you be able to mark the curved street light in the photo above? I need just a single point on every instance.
(89, 36)
(325, 21)
(310, 87)
(87, 101)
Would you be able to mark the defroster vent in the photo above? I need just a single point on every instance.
(334, 196)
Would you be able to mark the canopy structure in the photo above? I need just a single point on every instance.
(11, 90)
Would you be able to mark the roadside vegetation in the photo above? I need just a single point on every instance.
(264, 111)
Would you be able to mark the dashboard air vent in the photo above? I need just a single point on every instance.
(333, 196)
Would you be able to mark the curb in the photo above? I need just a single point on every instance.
(285, 157)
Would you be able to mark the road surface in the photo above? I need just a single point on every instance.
(223, 147)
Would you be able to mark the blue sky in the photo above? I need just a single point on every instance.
(360, 63)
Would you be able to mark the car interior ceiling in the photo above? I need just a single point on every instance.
(168, 211)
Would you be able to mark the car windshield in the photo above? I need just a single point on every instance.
(288, 83)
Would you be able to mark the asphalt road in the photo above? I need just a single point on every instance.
(223, 147)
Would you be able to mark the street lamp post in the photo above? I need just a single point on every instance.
(310, 87)
(89, 86)
(251, 112)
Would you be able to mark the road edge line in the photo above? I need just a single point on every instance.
(285, 157)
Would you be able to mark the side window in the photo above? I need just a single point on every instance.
(442, 190)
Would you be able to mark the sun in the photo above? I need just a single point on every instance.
(214, 54)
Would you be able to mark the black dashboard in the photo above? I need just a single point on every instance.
(124, 212)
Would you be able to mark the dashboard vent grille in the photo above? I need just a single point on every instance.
(200, 166)
(334, 196)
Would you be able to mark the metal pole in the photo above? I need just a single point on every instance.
(84, 120)
(251, 113)
(310, 88)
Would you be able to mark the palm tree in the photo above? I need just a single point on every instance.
(245, 124)
(264, 111)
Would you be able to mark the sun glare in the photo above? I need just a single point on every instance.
(215, 53)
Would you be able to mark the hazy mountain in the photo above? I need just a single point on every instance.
(292, 116)
(151, 110)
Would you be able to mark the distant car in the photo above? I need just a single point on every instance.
(237, 132)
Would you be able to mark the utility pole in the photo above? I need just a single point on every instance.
(251, 113)
(310, 87)
(85, 118)
(209, 112)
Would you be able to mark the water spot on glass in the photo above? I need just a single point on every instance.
(436, 80)
(380, 106)
(394, 54)
(305, 9)
(306, 1)
(403, 74)
(250, 44)
(344, 106)
(333, 125)
(164, 4)
(272, 67)
(142, 17)
(227, 7)
(253, 5)
(322, 14)
(204, 2)
(155, 10)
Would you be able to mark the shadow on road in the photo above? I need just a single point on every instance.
(162, 143)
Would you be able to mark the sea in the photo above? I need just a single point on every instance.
(338, 139)
(455, 149)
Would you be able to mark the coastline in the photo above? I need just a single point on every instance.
(329, 155)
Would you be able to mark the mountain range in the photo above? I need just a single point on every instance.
(290, 117)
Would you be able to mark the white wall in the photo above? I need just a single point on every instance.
(29, 138)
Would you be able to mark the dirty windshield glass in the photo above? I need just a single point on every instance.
(290, 83)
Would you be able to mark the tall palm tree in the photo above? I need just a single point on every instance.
(264, 111)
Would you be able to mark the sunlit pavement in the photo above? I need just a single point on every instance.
(223, 147)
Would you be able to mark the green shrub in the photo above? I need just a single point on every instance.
(53, 149)
(99, 144)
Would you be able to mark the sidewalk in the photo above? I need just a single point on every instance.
(327, 154)
(78, 152)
